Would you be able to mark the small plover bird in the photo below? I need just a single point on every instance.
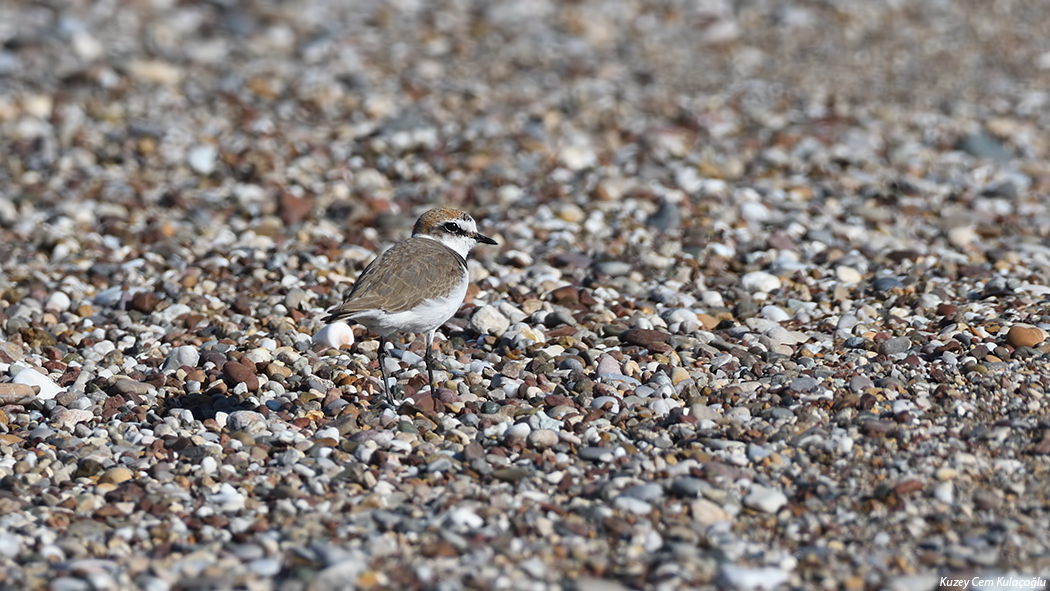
(417, 284)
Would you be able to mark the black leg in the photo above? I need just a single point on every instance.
(382, 370)
(430, 370)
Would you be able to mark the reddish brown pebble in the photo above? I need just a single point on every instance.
(653, 340)
(236, 372)
(557, 400)
(907, 486)
(877, 429)
(424, 403)
(145, 301)
(1024, 335)
(293, 209)
(566, 295)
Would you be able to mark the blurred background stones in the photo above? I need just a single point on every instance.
(769, 305)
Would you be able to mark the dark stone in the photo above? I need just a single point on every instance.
(145, 302)
(236, 372)
(653, 340)
(213, 356)
(886, 283)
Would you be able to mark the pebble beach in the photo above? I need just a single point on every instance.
(769, 308)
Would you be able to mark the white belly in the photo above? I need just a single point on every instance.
(424, 318)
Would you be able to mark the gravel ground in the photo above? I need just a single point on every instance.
(769, 308)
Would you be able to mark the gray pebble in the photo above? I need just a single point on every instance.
(289, 457)
(895, 345)
(440, 465)
(68, 584)
(632, 505)
(859, 383)
(596, 454)
(609, 403)
(886, 283)
(688, 486)
(856, 343)
(248, 421)
(572, 364)
(265, 567)
(612, 268)
(765, 499)
(847, 322)
(647, 492)
(804, 384)
(10, 545)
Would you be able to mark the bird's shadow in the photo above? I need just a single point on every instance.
(203, 405)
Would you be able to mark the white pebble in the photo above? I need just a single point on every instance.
(202, 159)
(31, 377)
(945, 493)
(659, 407)
(259, 355)
(760, 281)
(411, 358)
(754, 212)
(962, 236)
(185, 355)
(577, 157)
(543, 438)
(209, 465)
(334, 335)
(712, 299)
(462, 518)
(775, 313)
(765, 499)
(750, 578)
(57, 302)
(840, 443)
(529, 333)
(517, 432)
(327, 432)
(848, 275)
(632, 505)
(489, 320)
(228, 499)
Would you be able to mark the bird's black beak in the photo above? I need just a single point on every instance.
(484, 239)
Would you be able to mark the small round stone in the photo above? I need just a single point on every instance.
(116, 475)
(489, 320)
(542, 438)
(895, 345)
(517, 432)
(236, 372)
(760, 281)
(1024, 335)
(248, 421)
(765, 499)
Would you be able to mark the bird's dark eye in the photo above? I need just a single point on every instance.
(452, 228)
